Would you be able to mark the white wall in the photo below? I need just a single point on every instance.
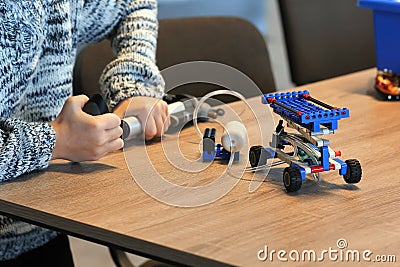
(276, 46)
(252, 10)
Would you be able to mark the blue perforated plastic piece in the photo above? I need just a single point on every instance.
(221, 153)
(303, 112)
(208, 156)
(325, 157)
(343, 169)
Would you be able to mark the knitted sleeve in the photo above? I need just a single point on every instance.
(133, 26)
(24, 147)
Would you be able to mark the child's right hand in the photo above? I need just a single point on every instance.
(82, 137)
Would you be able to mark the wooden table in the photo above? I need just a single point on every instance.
(101, 202)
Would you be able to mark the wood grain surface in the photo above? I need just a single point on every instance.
(100, 201)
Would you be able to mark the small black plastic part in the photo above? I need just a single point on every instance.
(292, 179)
(279, 127)
(209, 140)
(95, 106)
(258, 156)
(354, 171)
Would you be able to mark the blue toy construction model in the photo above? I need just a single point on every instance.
(213, 151)
(305, 152)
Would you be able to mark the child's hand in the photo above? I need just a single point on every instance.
(143, 107)
(80, 136)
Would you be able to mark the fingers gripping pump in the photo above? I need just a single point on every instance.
(181, 111)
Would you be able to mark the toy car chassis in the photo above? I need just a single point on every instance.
(309, 154)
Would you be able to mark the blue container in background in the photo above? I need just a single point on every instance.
(387, 29)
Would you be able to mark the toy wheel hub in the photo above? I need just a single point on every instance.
(286, 179)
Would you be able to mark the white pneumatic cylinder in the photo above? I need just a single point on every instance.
(132, 127)
(234, 137)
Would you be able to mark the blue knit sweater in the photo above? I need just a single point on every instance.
(38, 44)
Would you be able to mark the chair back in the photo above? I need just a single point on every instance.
(326, 38)
(227, 40)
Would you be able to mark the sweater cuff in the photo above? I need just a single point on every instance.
(127, 89)
(45, 140)
(124, 78)
(25, 147)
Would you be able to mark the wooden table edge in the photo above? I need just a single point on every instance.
(100, 236)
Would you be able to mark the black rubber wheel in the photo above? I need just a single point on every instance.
(257, 156)
(354, 171)
(292, 179)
